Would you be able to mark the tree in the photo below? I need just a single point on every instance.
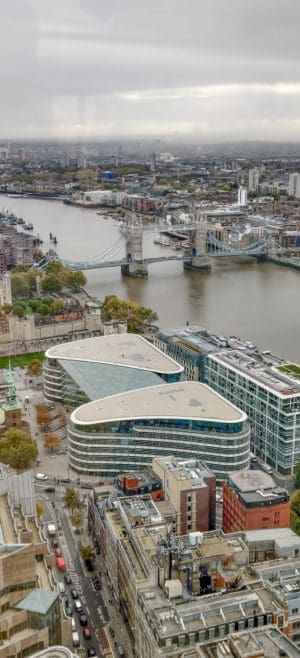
(39, 509)
(296, 477)
(51, 283)
(52, 442)
(77, 519)
(55, 267)
(75, 280)
(137, 316)
(17, 449)
(19, 285)
(38, 255)
(72, 500)
(34, 368)
(87, 552)
(43, 417)
(43, 309)
(18, 310)
(57, 306)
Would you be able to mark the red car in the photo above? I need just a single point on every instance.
(86, 633)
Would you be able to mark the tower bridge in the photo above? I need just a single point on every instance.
(201, 248)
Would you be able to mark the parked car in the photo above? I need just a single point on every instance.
(67, 579)
(83, 620)
(41, 476)
(69, 611)
(74, 593)
(86, 632)
(49, 489)
(78, 605)
(54, 543)
(65, 480)
(58, 552)
(91, 651)
(89, 565)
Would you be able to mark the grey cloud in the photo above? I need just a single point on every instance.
(80, 65)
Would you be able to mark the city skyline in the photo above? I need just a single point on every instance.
(88, 70)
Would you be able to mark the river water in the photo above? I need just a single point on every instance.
(258, 301)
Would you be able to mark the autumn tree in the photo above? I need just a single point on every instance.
(51, 442)
(75, 280)
(72, 500)
(87, 552)
(17, 449)
(39, 509)
(77, 519)
(43, 417)
(35, 368)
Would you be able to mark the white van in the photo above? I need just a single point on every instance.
(61, 587)
(75, 639)
(73, 624)
(78, 605)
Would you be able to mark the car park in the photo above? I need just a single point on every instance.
(67, 579)
(86, 632)
(74, 593)
(83, 620)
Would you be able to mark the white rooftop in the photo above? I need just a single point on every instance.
(190, 400)
(129, 350)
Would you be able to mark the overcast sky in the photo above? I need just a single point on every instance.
(208, 69)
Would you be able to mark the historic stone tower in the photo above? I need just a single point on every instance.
(134, 250)
(199, 260)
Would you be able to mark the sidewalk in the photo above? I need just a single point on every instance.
(116, 619)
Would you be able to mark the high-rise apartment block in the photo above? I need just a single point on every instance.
(294, 185)
(252, 501)
(242, 196)
(253, 179)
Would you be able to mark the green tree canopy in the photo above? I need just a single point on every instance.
(137, 316)
(51, 283)
(19, 285)
(75, 280)
(17, 449)
(296, 477)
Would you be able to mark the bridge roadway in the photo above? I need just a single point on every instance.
(81, 265)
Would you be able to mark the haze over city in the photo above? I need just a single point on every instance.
(209, 71)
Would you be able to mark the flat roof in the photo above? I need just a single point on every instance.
(129, 350)
(255, 367)
(189, 400)
(248, 480)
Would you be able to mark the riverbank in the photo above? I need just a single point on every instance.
(293, 263)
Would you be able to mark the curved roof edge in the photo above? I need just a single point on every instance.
(89, 350)
(149, 393)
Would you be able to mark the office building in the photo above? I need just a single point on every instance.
(190, 487)
(167, 622)
(85, 370)
(186, 419)
(294, 185)
(252, 501)
(268, 391)
(253, 179)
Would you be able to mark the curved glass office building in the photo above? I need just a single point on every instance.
(89, 369)
(187, 419)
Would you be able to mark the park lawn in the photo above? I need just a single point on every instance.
(21, 359)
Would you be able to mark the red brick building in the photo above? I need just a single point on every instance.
(253, 501)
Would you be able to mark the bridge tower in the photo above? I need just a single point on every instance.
(134, 251)
(199, 259)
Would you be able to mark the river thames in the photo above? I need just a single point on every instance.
(257, 301)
